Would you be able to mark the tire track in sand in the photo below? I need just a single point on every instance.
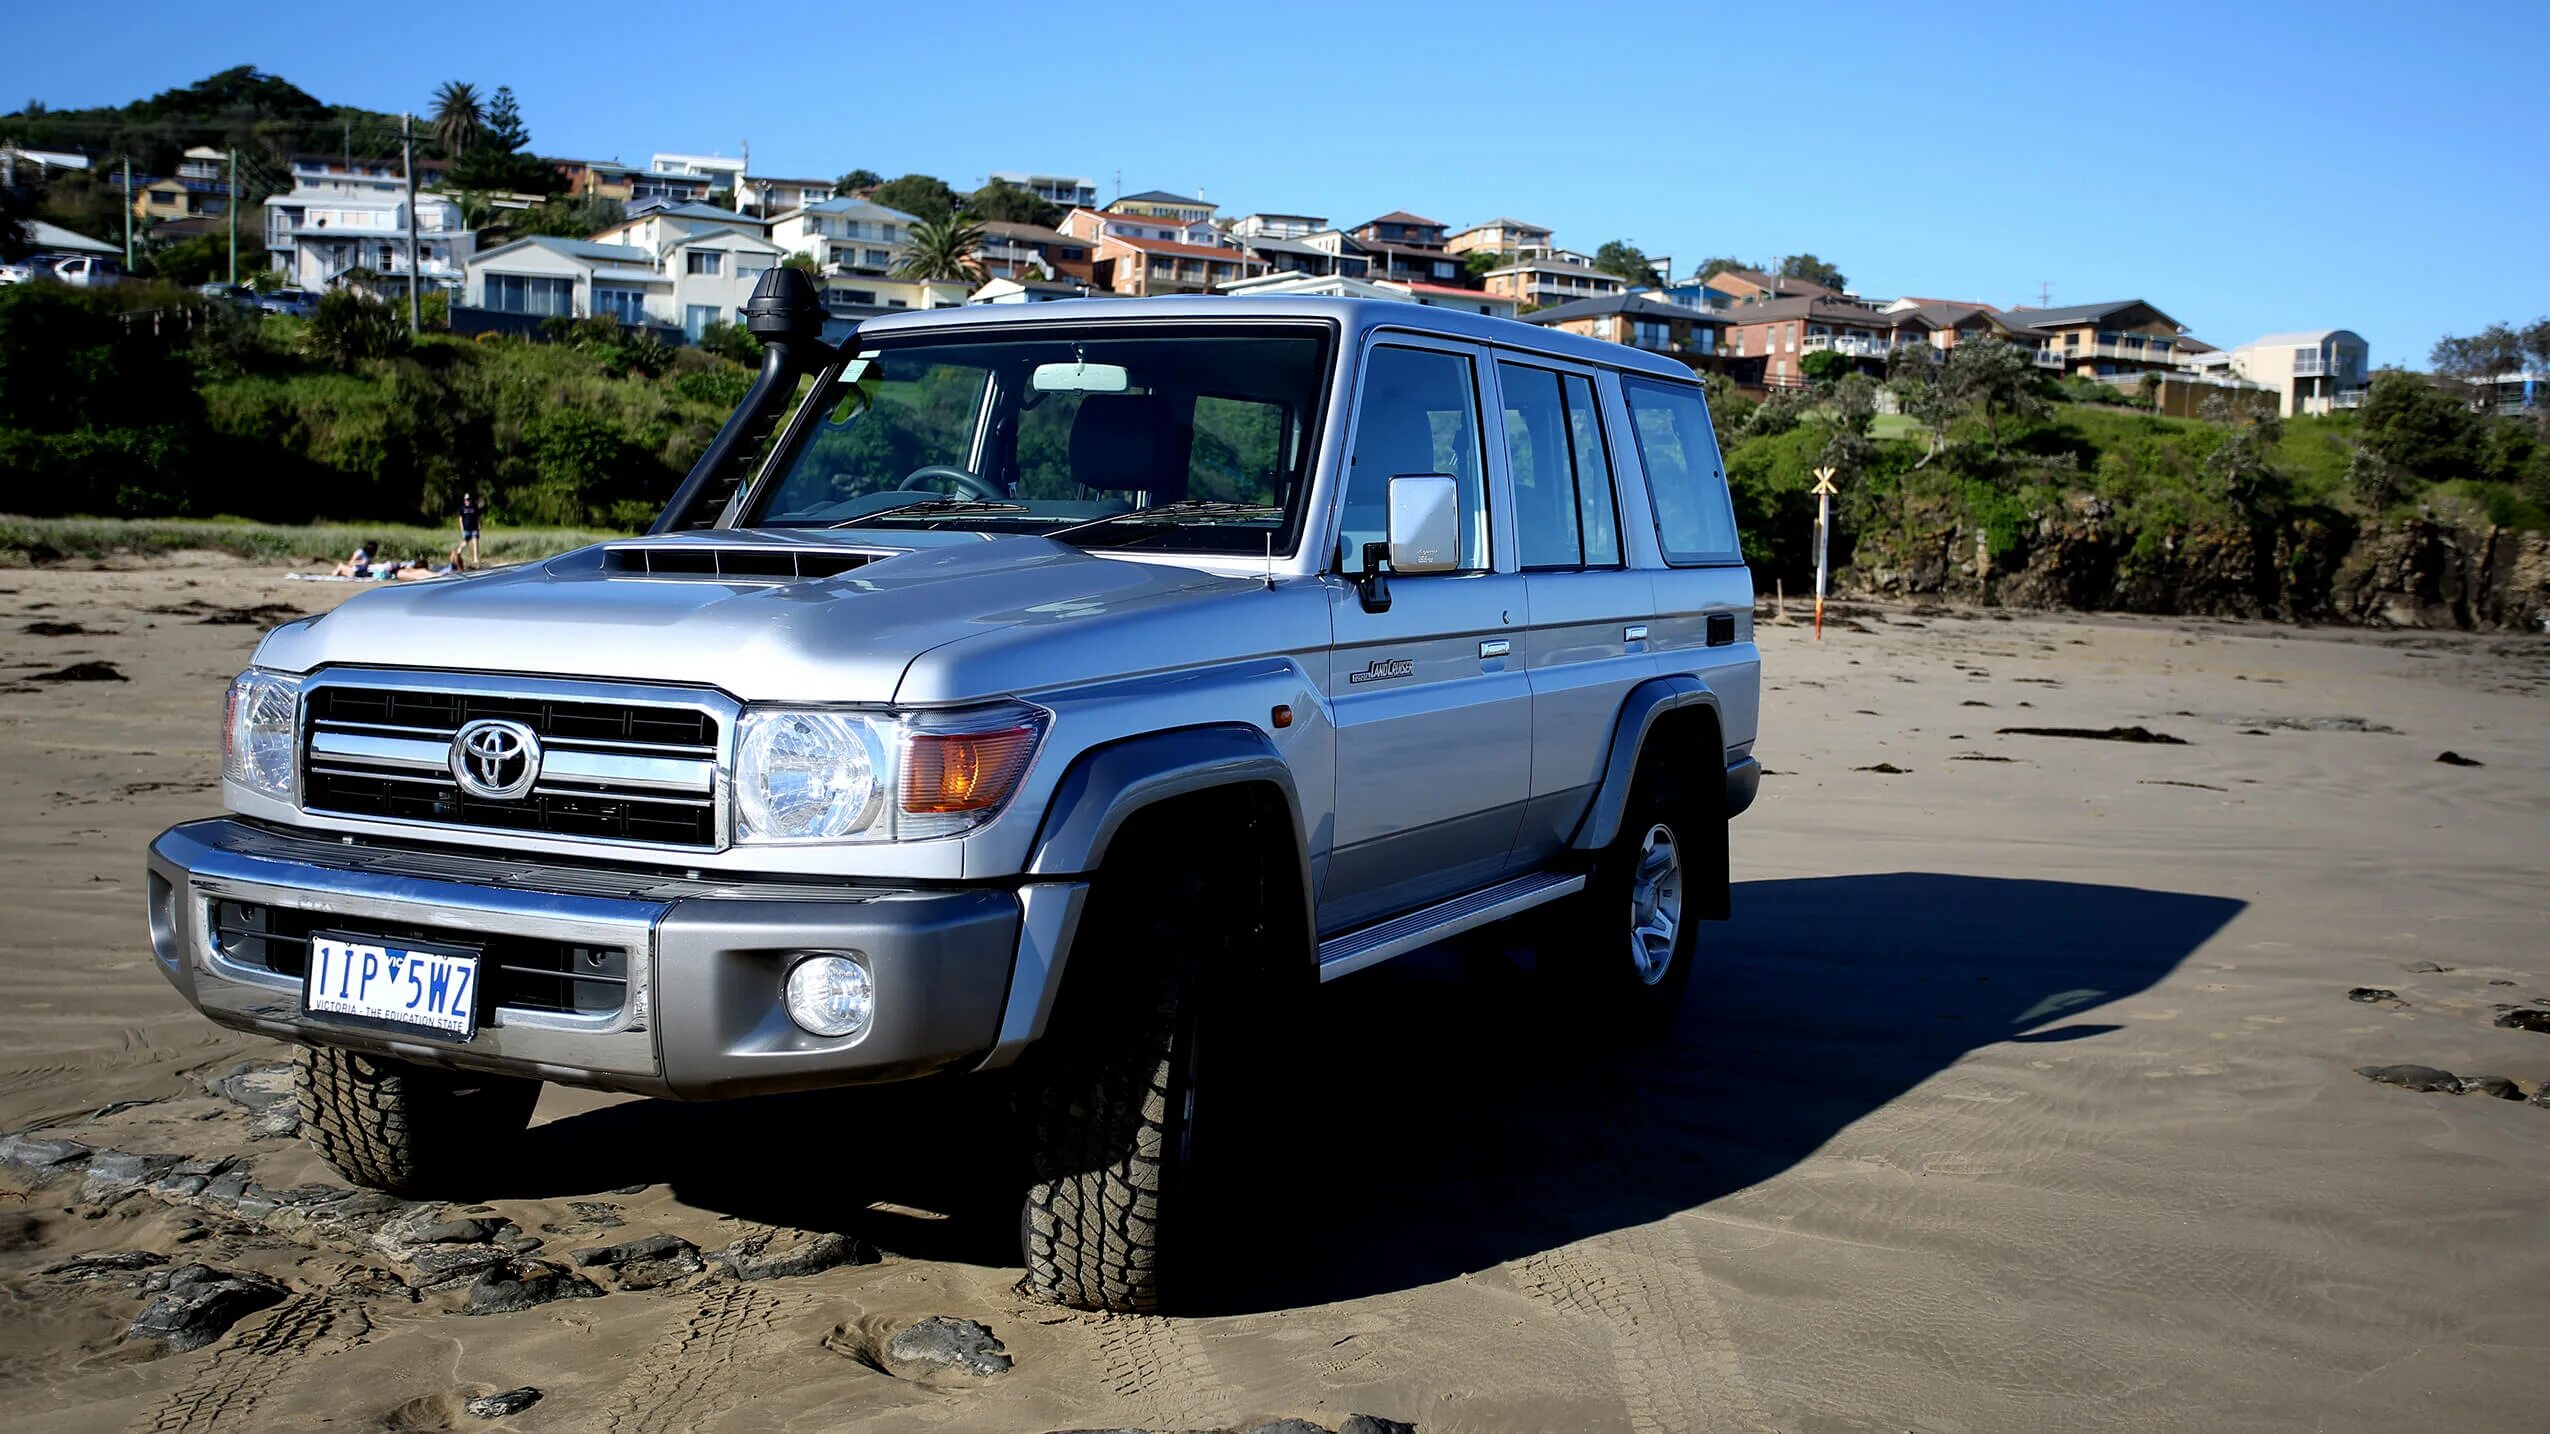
(686, 1380)
(1158, 1365)
(1672, 1354)
(224, 1394)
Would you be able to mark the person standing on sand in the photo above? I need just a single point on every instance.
(471, 511)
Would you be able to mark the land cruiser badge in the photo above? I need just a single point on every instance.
(1385, 669)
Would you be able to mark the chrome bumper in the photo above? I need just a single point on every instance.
(701, 1015)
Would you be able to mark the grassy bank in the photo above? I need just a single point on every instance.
(28, 541)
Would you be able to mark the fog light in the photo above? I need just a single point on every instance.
(832, 995)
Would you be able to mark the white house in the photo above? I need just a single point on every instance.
(660, 227)
(695, 280)
(720, 171)
(2312, 371)
(856, 295)
(1068, 190)
(315, 236)
(846, 237)
(763, 194)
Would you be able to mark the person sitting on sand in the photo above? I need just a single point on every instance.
(359, 565)
(424, 568)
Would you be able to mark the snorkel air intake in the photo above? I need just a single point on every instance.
(787, 315)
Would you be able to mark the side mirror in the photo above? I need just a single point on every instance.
(1425, 523)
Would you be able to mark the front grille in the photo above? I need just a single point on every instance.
(617, 771)
(519, 973)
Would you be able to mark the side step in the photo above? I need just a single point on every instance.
(1354, 950)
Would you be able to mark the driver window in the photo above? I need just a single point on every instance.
(890, 416)
(1420, 414)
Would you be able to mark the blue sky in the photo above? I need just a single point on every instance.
(2248, 167)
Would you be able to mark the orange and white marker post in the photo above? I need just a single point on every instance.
(1823, 539)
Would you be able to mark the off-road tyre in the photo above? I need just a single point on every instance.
(1590, 936)
(405, 1129)
(1170, 1002)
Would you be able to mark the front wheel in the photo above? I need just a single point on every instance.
(407, 1129)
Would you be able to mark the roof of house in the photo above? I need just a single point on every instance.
(1832, 310)
(47, 237)
(843, 204)
(1423, 252)
(587, 250)
(1948, 313)
(1510, 224)
(1555, 266)
(752, 236)
(1402, 216)
(1171, 246)
(1159, 196)
(1273, 245)
(1779, 286)
(774, 179)
(1272, 214)
(692, 209)
(2065, 315)
(1034, 233)
(1636, 306)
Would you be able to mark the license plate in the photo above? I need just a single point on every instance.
(426, 988)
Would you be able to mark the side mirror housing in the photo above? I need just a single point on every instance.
(1425, 523)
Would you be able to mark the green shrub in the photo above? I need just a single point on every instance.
(348, 328)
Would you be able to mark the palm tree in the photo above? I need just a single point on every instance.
(458, 118)
(944, 249)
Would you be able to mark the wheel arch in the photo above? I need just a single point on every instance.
(1659, 710)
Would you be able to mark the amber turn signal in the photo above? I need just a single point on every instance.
(964, 771)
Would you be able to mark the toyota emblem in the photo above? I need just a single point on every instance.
(495, 760)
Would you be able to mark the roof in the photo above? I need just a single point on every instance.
(2065, 315)
(843, 204)
(1509, 224)
(1274, 245)
(1037, 233)
(1413, 251)
(1778, 285)
(2300, 338)
(1555, 266)
(752, 236)
(800, 183)
(1278, 214)
(1355, 317)
(1636, 306)
(1402, 216)
(1171, 246)
(692, 209)
(47, 237)
(583, 249)
(1833, 310)
(1154, 196)
(1948, 313)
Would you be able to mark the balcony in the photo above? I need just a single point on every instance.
(2049, 358)
(1851, 345)
(2347, 398)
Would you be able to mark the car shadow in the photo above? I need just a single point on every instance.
(1446, 1114)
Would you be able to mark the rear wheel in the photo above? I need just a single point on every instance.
(407, 1129)
(1628, 942)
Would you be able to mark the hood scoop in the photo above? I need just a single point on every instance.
(769, 563)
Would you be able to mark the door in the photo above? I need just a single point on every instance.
(1432, 706)
(1587, 644)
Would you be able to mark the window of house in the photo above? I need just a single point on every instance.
(625, 304)
(704, 261)
(530, 294)
(1694, 523)
(1420, 415)
(1554, 451)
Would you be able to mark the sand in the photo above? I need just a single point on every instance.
(2020, 1096)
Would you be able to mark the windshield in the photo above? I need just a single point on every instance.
(1186, 439)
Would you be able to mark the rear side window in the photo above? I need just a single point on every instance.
(1689, 485)
(1562, 476)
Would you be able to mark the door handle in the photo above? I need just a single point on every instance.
(1636, 633)
(1495, 647)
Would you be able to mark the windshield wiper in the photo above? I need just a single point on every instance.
(933, 505)
(1175, 513)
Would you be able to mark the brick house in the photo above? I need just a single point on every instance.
(2121, 338)
(1537, 283)
(1145, 268)
(1409, 249)
(1502, 236)
(1750, 286)
(1766, 340)
(1032, 251)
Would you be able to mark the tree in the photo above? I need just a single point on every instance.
(1619, 256)
(458, 117)
(15, 210)
(943, 249)
(856, 181)
(1823, 366)
(1714, 267)
(571, 217)
(2494, 350)
(1812, 270)
(919, 195)
(2376, 482)
(1846, 415)
(1913, 375)
(2418, 427)
(1996, 380)
(1007, 203)
(1479, 261)
(500, 157)
(2239, 468)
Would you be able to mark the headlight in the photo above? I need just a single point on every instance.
(804, 776)
(809, 775)
(259, 730)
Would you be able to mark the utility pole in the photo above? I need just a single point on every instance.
(128, 214)
(234, 215)
(407, 162)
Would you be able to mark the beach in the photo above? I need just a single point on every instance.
(2022, 1093)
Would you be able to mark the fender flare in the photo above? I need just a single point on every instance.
(1106, 786)
(1645, 705)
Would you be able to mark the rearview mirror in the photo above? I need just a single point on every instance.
(1425, 523)
(1079, 378)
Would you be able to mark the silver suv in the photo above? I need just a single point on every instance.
(1060, 689)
